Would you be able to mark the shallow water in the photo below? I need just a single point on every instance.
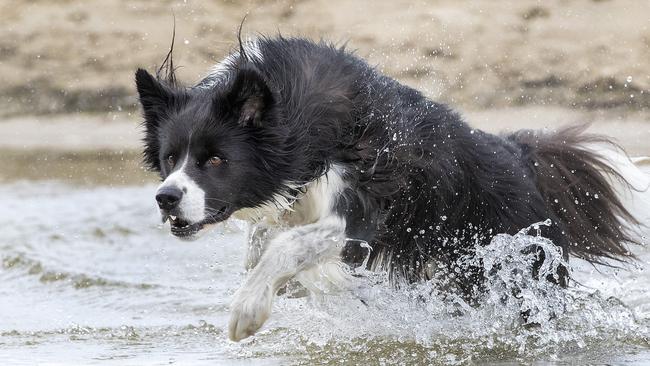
(89, 276)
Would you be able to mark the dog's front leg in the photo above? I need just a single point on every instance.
(288, 253)
(258, 239)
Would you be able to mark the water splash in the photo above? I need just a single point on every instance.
(513, 285)
(518, 317)
(78, 234)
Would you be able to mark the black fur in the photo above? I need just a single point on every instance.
(572, 183)
(422, 185)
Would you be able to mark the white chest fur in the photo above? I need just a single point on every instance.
(316, 203)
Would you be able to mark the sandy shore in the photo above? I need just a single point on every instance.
(77, 132)
(631, 130)
(78, 55)
(121, 131)
(105, 149)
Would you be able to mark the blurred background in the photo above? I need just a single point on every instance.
(89, 275)
(66, 67)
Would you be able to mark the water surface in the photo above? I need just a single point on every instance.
(89, 276)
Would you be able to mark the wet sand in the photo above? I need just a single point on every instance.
(105, 149)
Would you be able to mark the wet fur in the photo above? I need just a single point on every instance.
(419, 185)
(576, 184)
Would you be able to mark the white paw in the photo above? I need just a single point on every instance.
(248, 311)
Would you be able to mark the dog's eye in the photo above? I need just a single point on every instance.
(171, 160)
(214, 161)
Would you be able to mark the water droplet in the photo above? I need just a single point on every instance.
(443, 218)
(629, 79)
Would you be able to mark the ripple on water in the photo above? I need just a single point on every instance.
(92, 268)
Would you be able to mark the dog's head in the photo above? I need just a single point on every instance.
(214, 148)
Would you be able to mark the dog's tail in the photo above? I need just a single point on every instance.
(585, 179)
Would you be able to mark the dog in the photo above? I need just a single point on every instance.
(322, 154)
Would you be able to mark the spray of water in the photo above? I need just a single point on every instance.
(97, 274)
(517, 316)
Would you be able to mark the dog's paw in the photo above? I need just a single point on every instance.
(248, 312)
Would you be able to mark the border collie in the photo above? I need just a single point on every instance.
(319, 152)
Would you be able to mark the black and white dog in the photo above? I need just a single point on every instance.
(319, 151)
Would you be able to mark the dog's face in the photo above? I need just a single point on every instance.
(209, 147)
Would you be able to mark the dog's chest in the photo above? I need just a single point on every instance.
(318, 201)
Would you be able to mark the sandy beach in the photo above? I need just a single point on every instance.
(80, 57)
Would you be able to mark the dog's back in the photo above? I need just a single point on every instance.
(421, 186)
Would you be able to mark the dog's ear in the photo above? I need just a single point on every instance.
(155, 97)
(250, 97)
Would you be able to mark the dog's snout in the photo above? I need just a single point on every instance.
(168, 198)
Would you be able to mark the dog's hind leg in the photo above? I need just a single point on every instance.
(298, 252)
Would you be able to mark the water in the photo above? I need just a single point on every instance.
(90, 276)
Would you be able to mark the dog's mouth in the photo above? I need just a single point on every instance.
(182, 228)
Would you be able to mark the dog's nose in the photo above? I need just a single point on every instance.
(168, 198)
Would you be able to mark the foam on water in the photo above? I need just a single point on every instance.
(89, 276)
